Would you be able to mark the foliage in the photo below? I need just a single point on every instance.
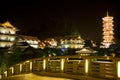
(15, 57)
(113, 48)
(88, 43)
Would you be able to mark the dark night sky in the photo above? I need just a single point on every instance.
(46, 18)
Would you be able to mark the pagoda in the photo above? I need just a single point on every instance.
(107, 31)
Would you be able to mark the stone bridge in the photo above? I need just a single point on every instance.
(72, 67)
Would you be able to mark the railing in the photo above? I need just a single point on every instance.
(101, 67)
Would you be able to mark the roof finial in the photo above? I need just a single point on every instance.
(107, 13)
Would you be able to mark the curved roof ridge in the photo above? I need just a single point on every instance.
(8, 24)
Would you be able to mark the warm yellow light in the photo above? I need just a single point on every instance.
(107, 31)
(3, 44)
(8, 24)
(12, 31)
(30, 66)
(79, 37)
(27, 61)
(20, 67)
(35, 46)
(11, 38)
(118, 69)
(62, 64)
(66, 46)
(4, 31)
(86, 65)
(12, 69)
(5, 73)
(108, 58)
(0, 76)
(3, 37)
(44, 64)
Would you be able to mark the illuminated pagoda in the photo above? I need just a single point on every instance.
(107, 31)
(7, 34)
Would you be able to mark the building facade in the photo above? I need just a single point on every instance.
(69, 41)
(72, 41)
(32, 41)
(7, 34)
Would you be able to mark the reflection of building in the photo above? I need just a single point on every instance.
(7, 34)
(107, 31)
(73, 41)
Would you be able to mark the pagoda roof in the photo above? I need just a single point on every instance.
(68, 37)
(86, 50)
(29, 38)
(7, 24)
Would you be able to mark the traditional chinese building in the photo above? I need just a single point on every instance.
(71, 41)
(7, 34)
(32, 41)
(107, 31)
(87, 51)
(51, 42)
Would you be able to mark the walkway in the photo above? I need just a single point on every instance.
(50, 76)
(31, 76)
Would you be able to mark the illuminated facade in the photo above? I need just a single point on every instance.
(51, 42)
(107, 31)
(7, 34)
(32, 41)
(87, 51)
(73, 41)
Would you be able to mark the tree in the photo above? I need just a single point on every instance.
(88, 43)
(115, 48)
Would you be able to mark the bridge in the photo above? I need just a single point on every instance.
(72, 67)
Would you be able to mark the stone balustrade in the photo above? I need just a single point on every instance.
(105, 67)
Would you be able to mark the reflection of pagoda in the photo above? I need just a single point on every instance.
(7, 34)
(107, 31)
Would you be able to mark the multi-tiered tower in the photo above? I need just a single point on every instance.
(7, 34)
(107, 31)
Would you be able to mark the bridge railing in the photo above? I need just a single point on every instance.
(101, 67)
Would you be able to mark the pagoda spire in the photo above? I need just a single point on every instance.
(107, 13)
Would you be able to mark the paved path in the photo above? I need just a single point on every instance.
(34, 77)
(50, 76)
